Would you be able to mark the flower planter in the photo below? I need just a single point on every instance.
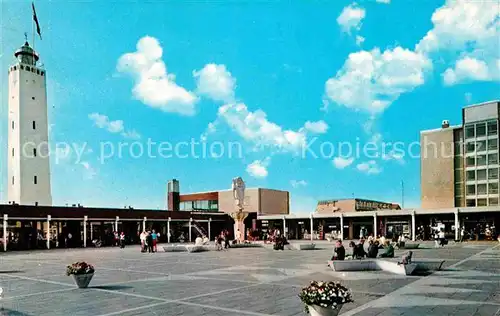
(82, 280)
(315, 310)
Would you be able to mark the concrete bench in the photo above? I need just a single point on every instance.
(175, 248)
(246, 245)
(373, 265)
(304, 246)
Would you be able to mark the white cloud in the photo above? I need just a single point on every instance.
(371, 80)
(319, 127)
(256, 128)
(395, 155)
(298, 183)
(258, 168)
(384, 1)
(469, 68)
(359, 40)
(369, 167)
(117, 126)
(351, 18)
(342, 163)
(153, 85)
(215, 82)
(470, 28)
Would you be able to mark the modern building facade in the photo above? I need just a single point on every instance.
(459, 164)
(28, 149)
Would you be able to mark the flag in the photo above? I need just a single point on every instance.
(35, 19)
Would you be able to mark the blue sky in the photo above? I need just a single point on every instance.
(271, 77)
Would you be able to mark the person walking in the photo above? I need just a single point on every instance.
(122, 240)
(154, 237)
(149, 242)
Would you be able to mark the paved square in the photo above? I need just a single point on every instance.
(253, 281)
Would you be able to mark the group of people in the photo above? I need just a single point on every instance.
(149, 239)
(223, 237)
(119, 239)
(359, 251)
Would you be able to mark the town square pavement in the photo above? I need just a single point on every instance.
(252, 281)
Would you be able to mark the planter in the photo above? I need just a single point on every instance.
(82, 280)
(315, 310)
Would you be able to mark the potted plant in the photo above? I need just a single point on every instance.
(325, 298)
(82, 273)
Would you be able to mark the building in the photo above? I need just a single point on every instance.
(353, 205)
(459, 164)
(28, 154)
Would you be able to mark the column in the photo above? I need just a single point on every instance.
(91, 232)
(209, 226)
(413, 226)
(312, 226)
(48, 231)
(5, 223)
(342, 226)
(375, 225)
(190, 220)
(85, 219)
(168, 230)
(116, 223)
(284, 227)
(144, 224)
(457, 226)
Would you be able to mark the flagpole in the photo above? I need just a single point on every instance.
(33, 33)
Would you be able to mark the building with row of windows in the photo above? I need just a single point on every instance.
(459, 164)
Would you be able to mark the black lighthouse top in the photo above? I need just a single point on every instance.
(26, 55)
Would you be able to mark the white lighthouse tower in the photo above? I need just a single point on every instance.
(28, 136)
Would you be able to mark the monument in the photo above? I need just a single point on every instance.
(239, 215)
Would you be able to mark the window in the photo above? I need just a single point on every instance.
(481, 129)
(493, 188)
(458, 148)
(471, 189)
(493, 201)
(481, 189)
(12, 180)
(22, 67)
(481, 145)
(12, 152)
(37, 72)
(42, 73)
(469, 131)
(471, 203)
(34, 152)
(12, 124)
(470, 147)
(481, 174)
(15, 67)
(470, 161)
(493, 144)
(471, 175)
(27, 68)
(35, 180)
(481, 160)
(493, 159)
(34, 125)
(481, 202)
(214, 205)
(32, 98)
(492, 128)
(493, 174)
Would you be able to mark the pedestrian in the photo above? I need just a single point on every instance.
(122, 240)
(149, 242)
(154, 237)
(143, 241)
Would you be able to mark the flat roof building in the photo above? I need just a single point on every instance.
(459, 164)
(353, 205)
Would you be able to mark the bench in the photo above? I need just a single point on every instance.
(375, 265)
(304, 246)
(196, 248)
(185, 248)
(246, 245)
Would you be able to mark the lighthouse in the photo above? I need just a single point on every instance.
(28, 135)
